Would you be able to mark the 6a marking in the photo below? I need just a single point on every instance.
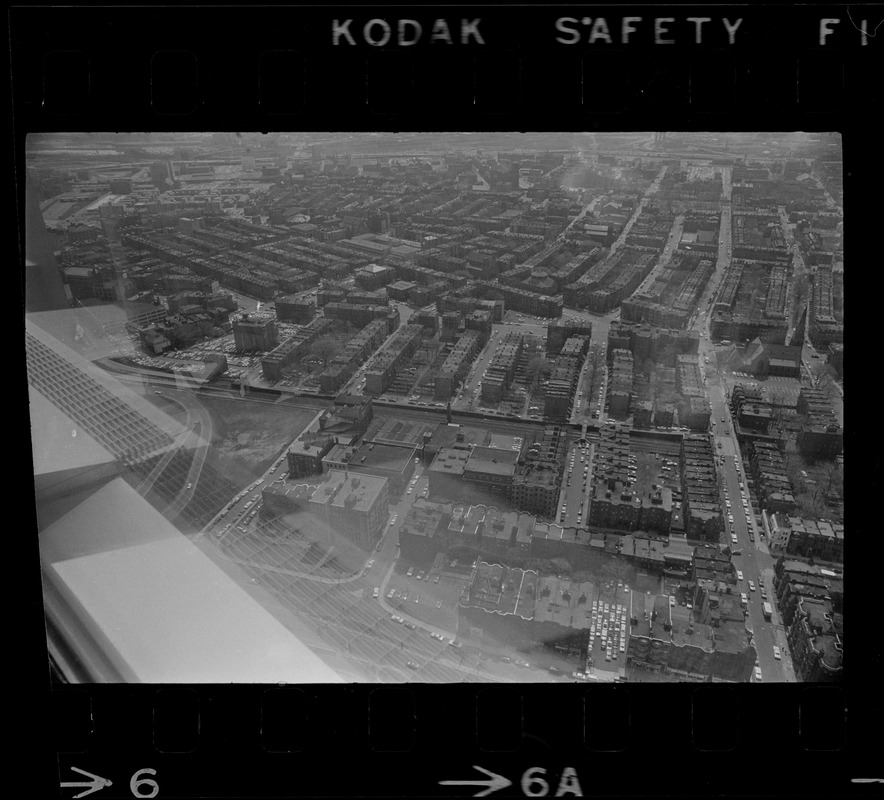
(533, 783)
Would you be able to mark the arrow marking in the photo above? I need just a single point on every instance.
(94, 785)
(495, 783)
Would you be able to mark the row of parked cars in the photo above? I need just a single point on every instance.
(420, 575)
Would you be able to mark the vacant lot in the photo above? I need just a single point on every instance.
(249, 435)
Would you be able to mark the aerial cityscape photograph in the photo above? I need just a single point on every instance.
(437, 407)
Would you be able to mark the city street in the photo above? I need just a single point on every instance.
(665, 256)
(576, 488)
(652, 189)
(754, 559)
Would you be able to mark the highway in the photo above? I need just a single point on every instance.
(196, 431)
(200, 442)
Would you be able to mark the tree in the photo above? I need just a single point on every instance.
(537, 366)
(800, 298)
(831, 478)
(433, 346)
(777, 401)
(666, 355)
(589, 386)
(616, 569)
(810, 505)
(793, 473)
(326, 349)
(596, 358)
(560, 566)
(818, 371)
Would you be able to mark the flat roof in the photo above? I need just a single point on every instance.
(494, 523)
(386, 429)
(565, 602)
(504, 441)
(296, 491)
(339, 487)
(499, 589)
(498, 455)
(311, 440)
(450, 462)
(382, 456)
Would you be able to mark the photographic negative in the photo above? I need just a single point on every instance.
(391, 407)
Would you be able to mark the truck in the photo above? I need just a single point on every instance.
(767, 610)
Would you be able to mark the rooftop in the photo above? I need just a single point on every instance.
(292, 491)
(445, 436)
(450, 461)
(650, 614)
(565, 602)
(385, 429)
(499, 590)
(311, 439)
(382, 456)
(375, 269)
(358, 492)
(492, 460)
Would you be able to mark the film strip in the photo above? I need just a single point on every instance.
(504, 68)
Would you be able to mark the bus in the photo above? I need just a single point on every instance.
(767, 610)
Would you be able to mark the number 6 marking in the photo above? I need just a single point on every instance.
(136, 784)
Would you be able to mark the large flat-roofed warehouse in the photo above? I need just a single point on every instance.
(392, 461)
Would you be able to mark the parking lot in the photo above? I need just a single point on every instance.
(784, 390)
(432, 598)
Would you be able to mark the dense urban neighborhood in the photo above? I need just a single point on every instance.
(448, 407)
